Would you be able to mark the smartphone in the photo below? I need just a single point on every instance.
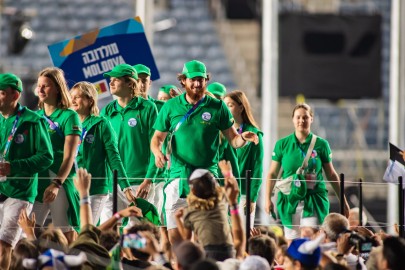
(133, 240)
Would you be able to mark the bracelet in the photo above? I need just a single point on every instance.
(85, 200)
(233, 207)
(117, 216)
(57, 183)
(227, 174)
(235, 211)
(241, 135)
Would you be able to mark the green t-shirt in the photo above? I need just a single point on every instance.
(290, 153)
(133, 126)
(195, 143)
(250, 157)
(159, 104)
(98, 150)
(68, 123)
(30, 152)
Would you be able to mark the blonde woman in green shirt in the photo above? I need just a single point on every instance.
(98, 148)
(56, 192)
(250, 157)
(308, 208)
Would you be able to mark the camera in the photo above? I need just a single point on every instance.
(133, 240)
(362, 243)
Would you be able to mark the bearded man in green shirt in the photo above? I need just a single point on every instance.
(25, 150)
(193, 120)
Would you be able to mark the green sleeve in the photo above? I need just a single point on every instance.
(73, 125)
(257, 168)
(113, 156)
(226, 120)
(162, 122)
(43, 157)
(277, 152)
(326, 156)
(152, 169)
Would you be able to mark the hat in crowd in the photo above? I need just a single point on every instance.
(55, 259)
(121, 71)
(194, 69)
(10, 80)
(217, 89)
(306, 251)
(142, 69)
(166, 89)
(254, 262)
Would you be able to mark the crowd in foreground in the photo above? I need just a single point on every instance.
(335, 245)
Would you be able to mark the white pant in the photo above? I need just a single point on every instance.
(297, 218)
(173, 202)
(242, 212)
(97, 204)
(58, 209)
(10, 230)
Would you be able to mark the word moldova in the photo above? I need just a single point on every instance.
(98, 65)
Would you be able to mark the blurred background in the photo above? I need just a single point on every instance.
(343, 57)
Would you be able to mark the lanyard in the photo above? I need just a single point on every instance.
(13, 130)
(188, 114)
(304, 154)
(82, 137)
(240, 129)
(54, 126)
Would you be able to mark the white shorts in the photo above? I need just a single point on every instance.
(173, 202)
(242, 212)
(297, 218)
(97, 204)
(157, 198)
(58, 209)
(10, 230)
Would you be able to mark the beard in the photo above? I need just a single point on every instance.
(195, 95)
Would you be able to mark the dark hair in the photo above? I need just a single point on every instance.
(109, 239)
(205, 264)
(204, 187)
(188, 253)
(394, 252)
(181, 77)
(144, 226)
(335, 266)
(263, 246)
(23, 249)
(241, 99)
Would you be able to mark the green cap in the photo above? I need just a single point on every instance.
(166, 88)
(142, 69)
(194, 68)
(121, 71)
(217, 89)
(10, 80)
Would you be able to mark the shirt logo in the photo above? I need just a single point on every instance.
(132, 122)
(206, 116)
(19, 138)
(89, 138)
(75, 128)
